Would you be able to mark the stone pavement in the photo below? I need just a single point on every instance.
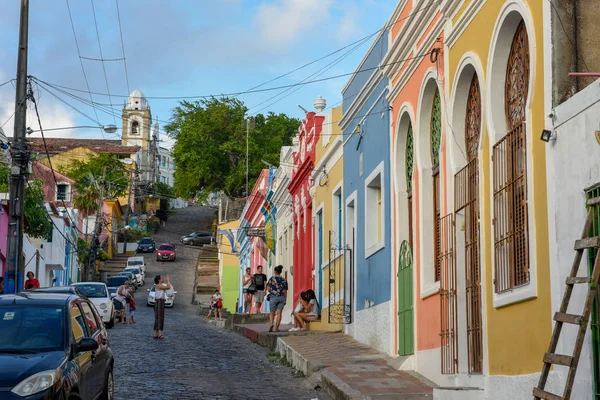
(195, 360)
(347, 369)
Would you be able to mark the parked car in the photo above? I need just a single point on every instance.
(116, 281)
(53, 346)
(57, 289)
(146, 245)
(169, 297)
(166, 252)
(198, 238)
(98, 294)
(131, 277)
(137, 261)
(139, 275)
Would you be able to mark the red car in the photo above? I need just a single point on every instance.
(166, 252)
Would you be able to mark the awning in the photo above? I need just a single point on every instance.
(56, 267)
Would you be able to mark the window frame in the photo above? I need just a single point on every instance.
(371, 246)
(67, 186)
(82, 305)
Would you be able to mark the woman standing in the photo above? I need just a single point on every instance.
(247, 283)
(159, 305)
(277, 288)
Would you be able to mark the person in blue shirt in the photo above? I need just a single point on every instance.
(277, 288)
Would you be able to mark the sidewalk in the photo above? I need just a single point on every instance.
(348, 369)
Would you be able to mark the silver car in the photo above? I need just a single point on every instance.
(169, 297)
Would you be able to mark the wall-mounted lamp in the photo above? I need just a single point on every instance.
(547, 136)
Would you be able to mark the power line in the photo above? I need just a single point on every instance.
(233, 94)
(87, 84)
(122, 46)
(102, 56)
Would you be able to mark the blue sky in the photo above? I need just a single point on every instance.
(184, 48)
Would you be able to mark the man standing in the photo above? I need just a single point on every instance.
(260, 280)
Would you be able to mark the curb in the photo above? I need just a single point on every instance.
(337, 388)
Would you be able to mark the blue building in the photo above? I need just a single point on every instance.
(366, 128)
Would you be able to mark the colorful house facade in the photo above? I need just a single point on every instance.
(229, 270)
(366, 193)
(303, 160)
(328, 200)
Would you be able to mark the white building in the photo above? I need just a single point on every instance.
(166, 166)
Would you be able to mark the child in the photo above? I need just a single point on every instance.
(131, 308)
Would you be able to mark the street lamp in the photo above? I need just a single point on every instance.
(110, 128)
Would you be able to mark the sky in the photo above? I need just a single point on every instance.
(178, 48)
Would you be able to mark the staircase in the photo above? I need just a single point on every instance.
(207, 275)
(113, 266)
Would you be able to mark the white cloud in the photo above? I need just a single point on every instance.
(282, 23)
(349, 26)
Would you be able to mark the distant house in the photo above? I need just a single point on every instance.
(58, 188)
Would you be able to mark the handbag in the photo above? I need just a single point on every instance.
(252, 287)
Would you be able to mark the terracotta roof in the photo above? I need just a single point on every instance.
(60, 145)
(45, 173)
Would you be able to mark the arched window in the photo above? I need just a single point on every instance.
(511, 245)
(409, 177)
(436, 139)
(135, 128)
(473, 119)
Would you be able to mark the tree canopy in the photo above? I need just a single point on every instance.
(210, 145)
(87, 175)
(38, 221)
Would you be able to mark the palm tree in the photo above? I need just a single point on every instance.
(86, 201)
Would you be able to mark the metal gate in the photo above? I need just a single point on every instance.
(341, 265)
(448, 298)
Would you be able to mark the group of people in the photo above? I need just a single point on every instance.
(254, 288)
(124, 299)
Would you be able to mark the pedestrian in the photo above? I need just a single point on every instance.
(31, 282)
(247, 286)
(299, 308)
(213, 304)
(120, 301)
(311, 309)
(131, 308)
(159, 305)
(218, 305)
(277, 288)
(260, 280)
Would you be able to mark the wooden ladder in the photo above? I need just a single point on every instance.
(562, 317)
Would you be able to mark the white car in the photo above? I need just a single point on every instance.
(169, 297)
(139, 275)
(98, 294)
(137, 261)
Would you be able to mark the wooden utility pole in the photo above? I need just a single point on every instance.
(20, 161)
(127, 212)
(37, 263)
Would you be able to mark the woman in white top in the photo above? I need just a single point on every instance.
(311, 310)
(159, 305)
(247, 281)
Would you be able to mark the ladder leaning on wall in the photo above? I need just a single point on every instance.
(562, 317)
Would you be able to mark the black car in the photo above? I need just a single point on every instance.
(198, 238)
(57, 289)
(130, 276)
(53, 346)
(146, 245)
(117, 280)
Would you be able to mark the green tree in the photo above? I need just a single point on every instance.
(210, 145)
(165, 192)
(4, 173)
(88, 175)
(38, 221)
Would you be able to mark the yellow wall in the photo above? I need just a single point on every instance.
(517, 334)
(229, 267)
(323, 195)
(62, 161)
(113, 218)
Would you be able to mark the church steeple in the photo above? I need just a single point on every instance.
(137, 126)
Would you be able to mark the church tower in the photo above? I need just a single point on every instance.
(137, 130)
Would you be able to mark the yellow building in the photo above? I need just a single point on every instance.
(327, 200)
(113, 213)
(494, 81)
(229, 263)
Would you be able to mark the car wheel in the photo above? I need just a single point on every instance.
(109, 387)
(111, 323)
(148, 304)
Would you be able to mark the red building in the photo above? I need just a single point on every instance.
(299, 187)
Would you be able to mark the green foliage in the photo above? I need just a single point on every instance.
(88, 174)
(83, 252)
(165, 191)
(210, 147)
(133, 235)
(4, 176)
(38, 222)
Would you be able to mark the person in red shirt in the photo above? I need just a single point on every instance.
(31, 282)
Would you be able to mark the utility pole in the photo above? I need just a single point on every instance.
(20, 160)
(37, 263)
(127, 211)
(97, 231)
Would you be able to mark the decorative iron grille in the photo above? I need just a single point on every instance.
(409, 157)
(340, 294)
(517, 78)
(448, 298)
(436, 224)
(473, 119)
(511, 245)
(436, 128)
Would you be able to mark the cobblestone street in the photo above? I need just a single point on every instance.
(195, 360)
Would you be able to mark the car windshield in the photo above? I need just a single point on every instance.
(93, 291)
(146, 241)
(131, 263)
(166, 247)
(116, 281)
(27, 329)
(134, 270)
(153, 288)
(112, 290)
